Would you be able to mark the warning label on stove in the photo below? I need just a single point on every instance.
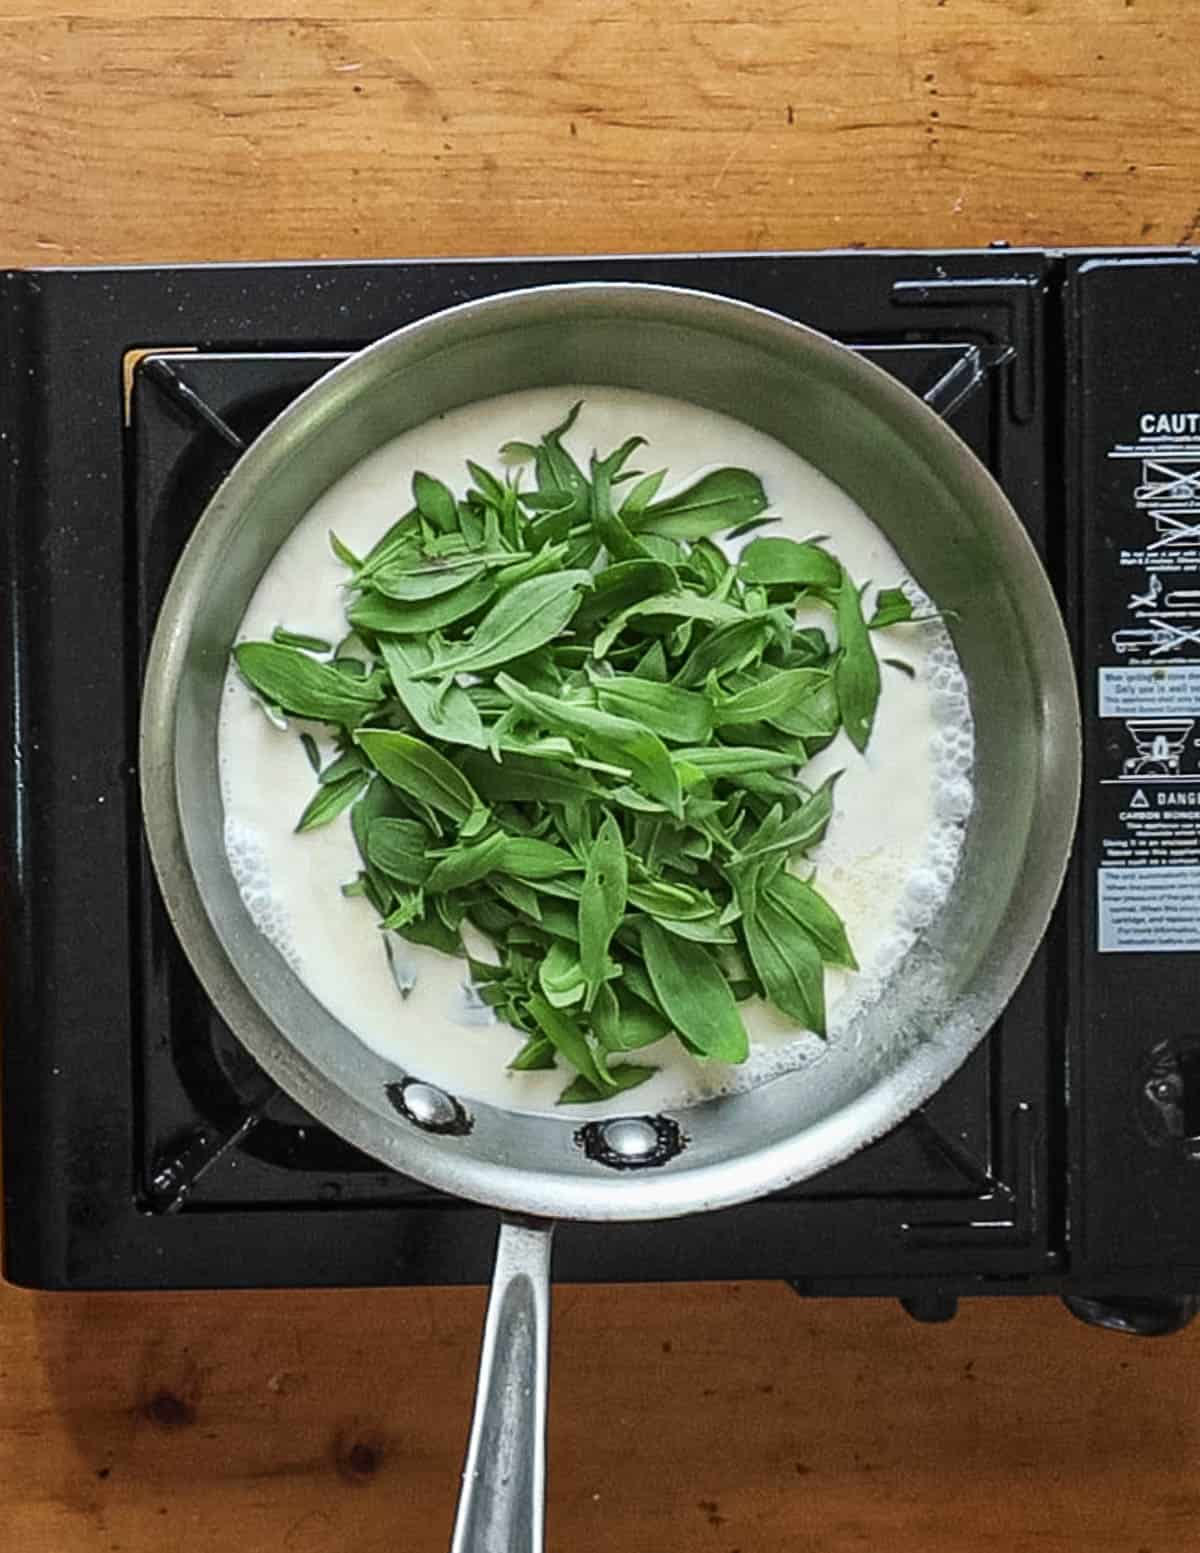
(1147, 692)
(1149, 878)
(1149, 910)
(1148, 751)
(1158, 828)
(1159, 547)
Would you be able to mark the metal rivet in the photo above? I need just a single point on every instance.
(631, 1142)
(429, 1107)
(632, 1137)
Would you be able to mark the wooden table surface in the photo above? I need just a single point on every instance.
(712, 1419)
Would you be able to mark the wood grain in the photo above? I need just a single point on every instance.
(722, 1419)
(709, 1418)
(190, 130)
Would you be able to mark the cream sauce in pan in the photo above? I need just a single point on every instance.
(887, 861)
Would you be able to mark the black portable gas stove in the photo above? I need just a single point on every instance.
(144, 1148)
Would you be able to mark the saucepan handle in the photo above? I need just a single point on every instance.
(501, 1508)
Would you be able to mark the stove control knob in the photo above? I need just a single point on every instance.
(1169, 1097)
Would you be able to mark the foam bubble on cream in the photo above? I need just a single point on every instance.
(252, 874)
(887, 863)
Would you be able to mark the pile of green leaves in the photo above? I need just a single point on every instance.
(562, 715)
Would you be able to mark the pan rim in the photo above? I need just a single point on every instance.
(683, 1188)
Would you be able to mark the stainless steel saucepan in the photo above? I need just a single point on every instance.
(959, 538)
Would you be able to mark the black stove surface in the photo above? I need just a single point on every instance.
(143, 1147)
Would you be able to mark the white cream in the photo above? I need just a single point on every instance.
(886, 863)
